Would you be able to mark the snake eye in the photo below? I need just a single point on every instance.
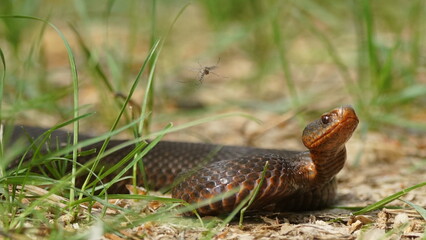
(325, 119)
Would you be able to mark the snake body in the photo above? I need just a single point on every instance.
(293, 180)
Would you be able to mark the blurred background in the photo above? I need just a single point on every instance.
(267, 58)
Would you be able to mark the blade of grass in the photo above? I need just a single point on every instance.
(140, 151)
(138, 157)
(242, 205)
(74, 77)
(127, 143)
(148, 93)
(4, 188)
(99, 72)
(91, 59)
(395, 120)
(405, 95)
(35, 48)
(254, 194)
(416, 17)
(388, 199)
(2, 79)
(69, 148)
(384, 76)
(126, 101)
(36, 158)
(344, 71)
(57, 187)
(146, 106)
(328, 44)
(136, 197)
(419, 209)
(43, 137)
(148, 102)
(281, 47)
(370, 34)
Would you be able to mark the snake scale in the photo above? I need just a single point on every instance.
(294, 180)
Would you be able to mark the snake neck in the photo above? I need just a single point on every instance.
(326, 164)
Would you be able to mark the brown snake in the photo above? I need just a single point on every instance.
(293, 181)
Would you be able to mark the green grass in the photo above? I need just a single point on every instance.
(359, 52)
(380, 204)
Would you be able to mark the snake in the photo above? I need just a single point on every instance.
(283, 180)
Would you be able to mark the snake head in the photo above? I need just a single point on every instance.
(332, 130)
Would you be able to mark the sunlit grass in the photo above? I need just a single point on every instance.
(382, 203)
